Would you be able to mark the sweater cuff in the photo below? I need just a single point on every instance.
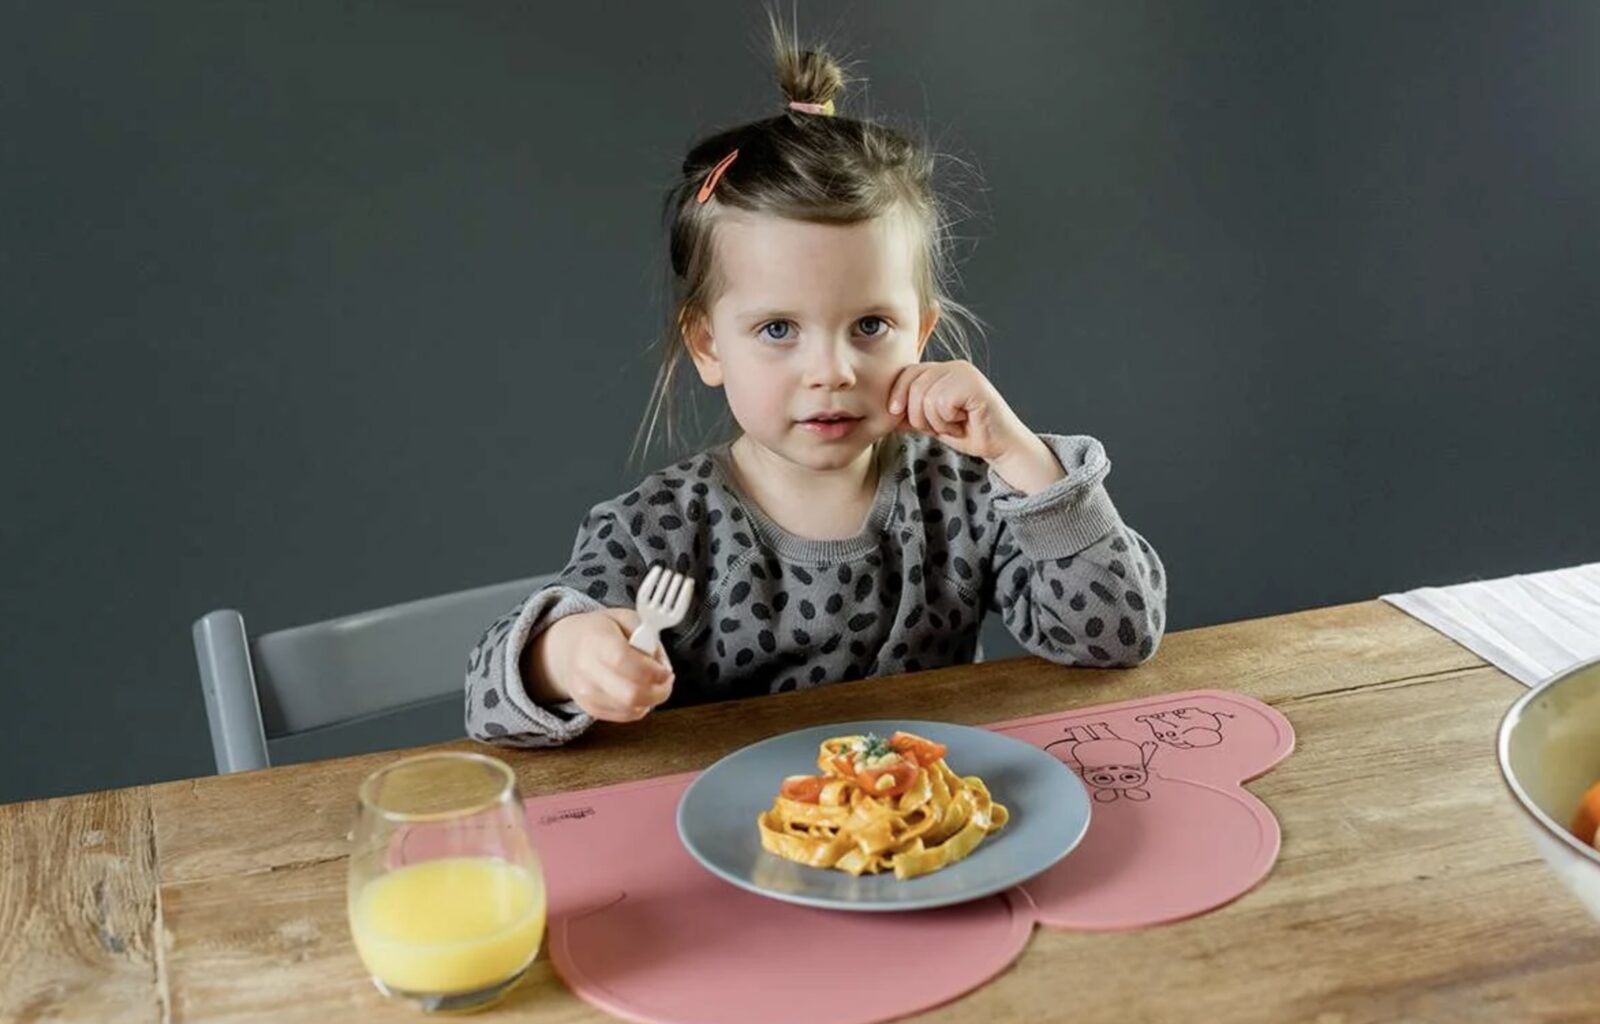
(563, 720)
(1071, 513)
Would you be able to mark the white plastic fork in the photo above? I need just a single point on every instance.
(663, 601)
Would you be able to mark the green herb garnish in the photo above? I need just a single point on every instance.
(876, 746)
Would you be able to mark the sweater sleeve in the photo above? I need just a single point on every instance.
(1073, 583)
(604, 571)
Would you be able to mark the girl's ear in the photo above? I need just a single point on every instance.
(930, 320)
(696, 330)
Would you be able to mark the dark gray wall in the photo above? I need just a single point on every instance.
(309, 309)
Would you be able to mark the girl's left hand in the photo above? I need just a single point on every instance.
(956, 403)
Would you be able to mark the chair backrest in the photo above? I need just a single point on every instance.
(339, 671)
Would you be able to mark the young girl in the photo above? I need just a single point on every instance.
(873, 506)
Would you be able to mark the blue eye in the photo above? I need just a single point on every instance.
(777, 330)
(878, 326)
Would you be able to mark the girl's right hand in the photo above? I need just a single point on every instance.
(586, 658)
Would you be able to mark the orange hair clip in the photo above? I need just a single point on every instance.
(714, 177)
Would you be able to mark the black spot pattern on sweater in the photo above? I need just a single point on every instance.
(765, 618)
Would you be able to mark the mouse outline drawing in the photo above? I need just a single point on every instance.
(1186, 728)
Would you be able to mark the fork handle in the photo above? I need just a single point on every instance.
(645, 638)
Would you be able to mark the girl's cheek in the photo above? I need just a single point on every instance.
(760, 391)
(881, 375)
(769, 378)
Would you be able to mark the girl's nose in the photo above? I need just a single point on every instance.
(828, 365)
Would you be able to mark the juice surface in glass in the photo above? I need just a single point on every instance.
(455, 924)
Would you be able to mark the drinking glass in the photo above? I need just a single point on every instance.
(446, 895)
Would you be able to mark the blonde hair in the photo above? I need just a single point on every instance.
(803, 166)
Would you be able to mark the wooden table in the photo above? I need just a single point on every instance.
(1406, 889)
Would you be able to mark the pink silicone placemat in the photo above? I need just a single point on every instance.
(1173, 833)
(641, 930)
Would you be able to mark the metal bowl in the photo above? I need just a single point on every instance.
(1549, 755)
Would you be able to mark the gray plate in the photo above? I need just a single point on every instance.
(1048, 805)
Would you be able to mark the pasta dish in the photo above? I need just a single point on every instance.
(880, 805)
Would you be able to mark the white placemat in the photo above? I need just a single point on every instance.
(1529, 627)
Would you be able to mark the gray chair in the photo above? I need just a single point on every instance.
(350, 671)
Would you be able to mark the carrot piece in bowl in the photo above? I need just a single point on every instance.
(1586, 824)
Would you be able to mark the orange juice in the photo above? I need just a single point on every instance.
(456, 924)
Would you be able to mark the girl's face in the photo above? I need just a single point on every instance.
(813, 323)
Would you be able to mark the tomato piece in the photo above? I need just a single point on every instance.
(901, 774)
(805, 789)
(925, 752)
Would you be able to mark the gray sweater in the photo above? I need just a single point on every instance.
(946, 541)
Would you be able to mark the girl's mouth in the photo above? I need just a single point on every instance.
(830, 426)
